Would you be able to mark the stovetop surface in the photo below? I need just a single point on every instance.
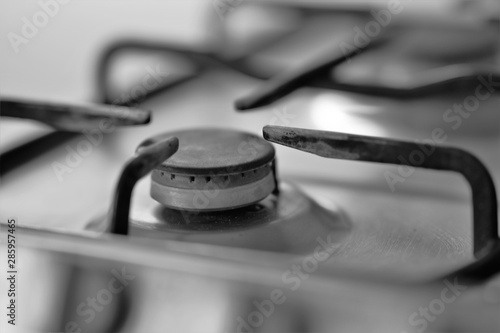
(419, 229)
(429, 213)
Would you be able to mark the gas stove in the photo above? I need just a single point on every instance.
(361, 196)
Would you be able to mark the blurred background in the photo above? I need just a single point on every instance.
(205, 55)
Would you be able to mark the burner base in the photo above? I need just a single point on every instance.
(289, 223)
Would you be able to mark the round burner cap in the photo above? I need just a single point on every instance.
(214, 169)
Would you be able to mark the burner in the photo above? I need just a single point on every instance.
(214, 169)
(215, 189)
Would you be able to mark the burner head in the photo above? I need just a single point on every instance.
(214, 169)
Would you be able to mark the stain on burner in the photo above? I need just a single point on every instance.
(214, 169)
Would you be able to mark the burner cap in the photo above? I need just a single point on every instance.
(214, 169)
